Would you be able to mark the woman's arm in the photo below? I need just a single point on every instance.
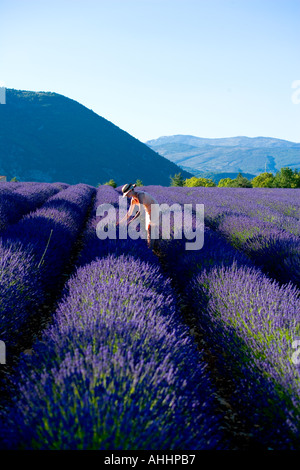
(136, 215)
(126, 217)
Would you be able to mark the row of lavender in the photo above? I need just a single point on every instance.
(18, 199)
(249, 322)
(34, 253)
(263, 223)
(116, 369)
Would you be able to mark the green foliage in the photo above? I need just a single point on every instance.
(225, 183)
(217, 176)
(287, 178)
(239, 182)
(264, 180)
(112, 183)
(14, 180)
(177, 180)
(194, 181)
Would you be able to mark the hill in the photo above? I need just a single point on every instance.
(251, 155)
(48, 137)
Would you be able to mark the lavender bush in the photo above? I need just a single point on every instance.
(26, 197)
(115, 370)
(252, 321)
(20, 288)
(39, 247)
(265, 226)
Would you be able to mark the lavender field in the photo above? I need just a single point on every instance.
(111, 346)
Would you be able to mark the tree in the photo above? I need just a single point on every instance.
(264, 180)
(192, 182)
(297, 180)
(241, 182)
(139, 182)
(15, 180)
(226, 183)
(287, 178)
(177, 180)
(112, 183)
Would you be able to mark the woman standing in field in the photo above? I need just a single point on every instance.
(151, 207)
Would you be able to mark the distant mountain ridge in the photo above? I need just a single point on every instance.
(46, 136)
(243, 154)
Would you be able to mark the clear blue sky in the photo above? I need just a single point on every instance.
(209, 68)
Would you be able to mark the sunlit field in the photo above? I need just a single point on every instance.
(110, 345)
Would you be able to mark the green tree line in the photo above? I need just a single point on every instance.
(285, 178)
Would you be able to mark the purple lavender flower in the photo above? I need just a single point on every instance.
(252, 320)
(35, 251)
(116, 369)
